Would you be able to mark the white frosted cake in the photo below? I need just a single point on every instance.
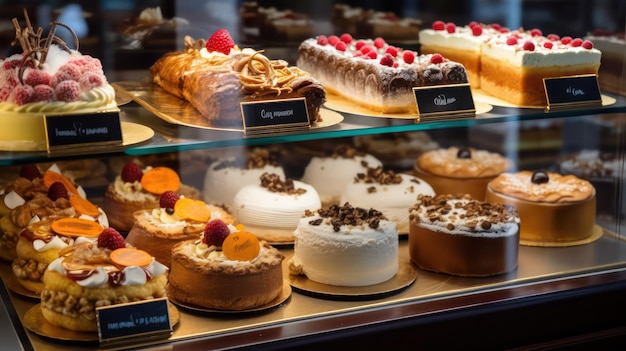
(390, 193)
(272, 208)
(345, 246)
(329, 175)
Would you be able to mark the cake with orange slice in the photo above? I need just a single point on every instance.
(40, 243)
(101, 273)
(137, 189)
(53, 194)
(226, 269)
(176, 219)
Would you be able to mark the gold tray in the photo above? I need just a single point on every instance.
(597, 233)
(174, 110)
(14, 285)
(482, 97)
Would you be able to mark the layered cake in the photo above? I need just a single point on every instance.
(554, 209)
(226, 269)
(345, 246)
(371, 23)
(176, 219)
(136, 189)
(150, 30)
(95, 274)
(458, 235)
(460, 170)
(511, 65)
(272, 207)
(47, 78)
(330, 174)
(373, 73)
(613, 47)
(269, 23)
(390, 193)
(225, 176)
(42, 241)
(216, 76)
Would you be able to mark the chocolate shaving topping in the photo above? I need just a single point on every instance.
(378, 175)
(273, 183)
(346, 151)
(338, 216)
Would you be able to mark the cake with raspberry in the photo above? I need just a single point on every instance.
(47, 78)
(373, 73)
(456, 170)
(512, 64)
(272, 207)
(555, 209)
(345, 246)
(176, 219)
(613, 47)
(225, 176)
(459, 235)
(137, 189)
(215, 76)
(389, 192)
(330, 174)
(94, 274)
(226, 269)
(370, 23)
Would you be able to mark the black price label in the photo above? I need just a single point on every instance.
(572, 91)
(275, 116)
(436, 102)
(120, 323)
(65, 133)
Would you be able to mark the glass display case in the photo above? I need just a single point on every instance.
(570, 296)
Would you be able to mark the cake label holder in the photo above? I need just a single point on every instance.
(123, 323)
(442, 101)
(572, 92)
(74, 134)
(275, 116)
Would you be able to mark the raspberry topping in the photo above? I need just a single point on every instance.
(436, 58)
(90, 80)
(359, 44)
(587, 44)
(341, 46)
(57, 190)
(477, 30)
(379, 42)
(220, 41)
(333, 39)
(215, 232)
(322, 40)
(529, 46)
(43, 92)
(168, 199)
(450, 27)
(346, 38)
(566, 40)
(67, 90)
(553, 37)
(577, 42)
(36, 77)
(366, 48)
(408, 57)
(393, 51)
(131, 173)
(511, 41)
(535, 32)
(439, 25)
(67, 72)
(372, 54)
(111, 239)
(548, 45)
(30, 172)
(387, 60)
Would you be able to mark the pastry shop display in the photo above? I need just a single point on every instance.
(554, 209)
(47, 78)
(176, 219)
(150, 30)
(227, 175)
(397, 151)
(459, 235)
(30, 200)
(345, 246)
(272, 207)
(370, 23)
(613, 47)
(215, 76)
(137, 189)
(100, 273)
(226, 269)
(456, 170)
(389, 192)
(373, 73)
(41, 242)
(511, 64)
(602, 170)
(330, 174)
(259, 23)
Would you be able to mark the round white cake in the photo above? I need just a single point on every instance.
(332, 250)
(390, 193)
(273, 207)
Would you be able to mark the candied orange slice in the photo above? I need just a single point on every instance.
(159, 180)
(195, 210)
(76, 227)
(84, 206)
(127, 256)
(51, 177)
(241, 246)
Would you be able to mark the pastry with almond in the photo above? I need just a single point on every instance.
(226, 269)
(137, 189)
(95, 274)
(177, 219)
